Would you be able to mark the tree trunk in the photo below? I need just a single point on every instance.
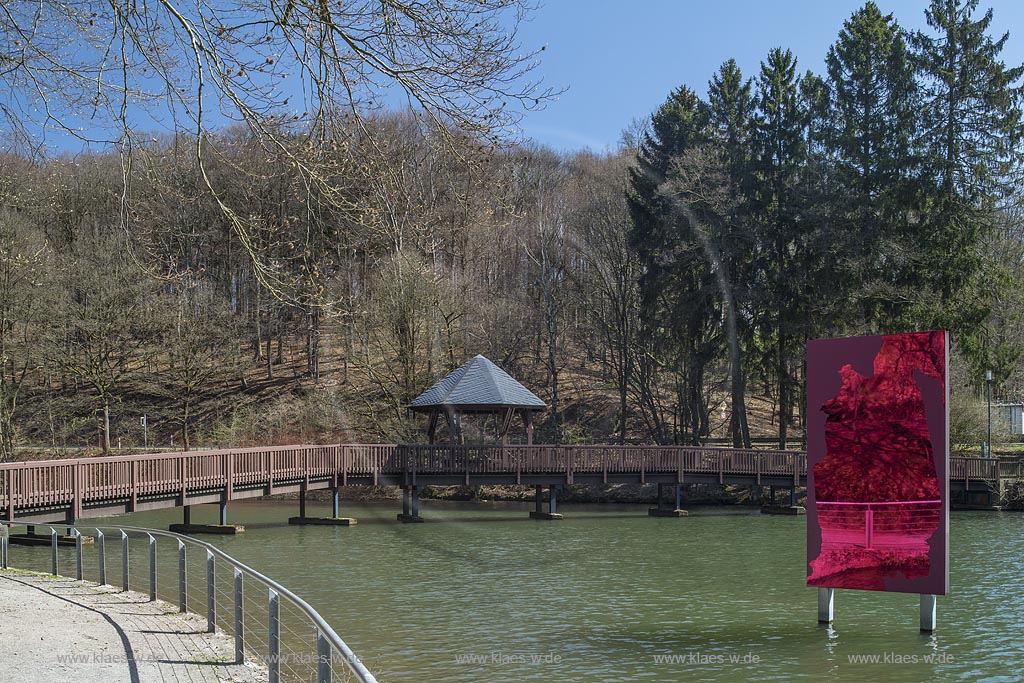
(106, 427)
(738, 420)
(269, 359)
(783, 391)
(184, 426)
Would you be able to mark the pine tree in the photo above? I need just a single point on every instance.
(873, 121)
(780, 150)
(731, 106)
(970, 139)
(676, 285)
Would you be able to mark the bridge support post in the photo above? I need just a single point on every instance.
(661, 511)
(333, 520)
(792, 497)
(927, 613)
(410, 505)
(187, 527)
(552, 512)
(826, 605)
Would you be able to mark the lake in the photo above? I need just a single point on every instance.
(482, 593)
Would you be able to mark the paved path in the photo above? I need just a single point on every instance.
(58, 629)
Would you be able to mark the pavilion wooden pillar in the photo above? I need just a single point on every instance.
(451, 419)
(432, 428)
(528, 421)
(506, 422)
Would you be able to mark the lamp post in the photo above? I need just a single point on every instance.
(988, 397)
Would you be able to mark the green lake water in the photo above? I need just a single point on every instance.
(482, 593)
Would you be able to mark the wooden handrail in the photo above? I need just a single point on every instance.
(50, 483)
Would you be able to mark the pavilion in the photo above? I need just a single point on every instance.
(478, 387)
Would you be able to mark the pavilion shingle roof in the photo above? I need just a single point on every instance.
(478, 384)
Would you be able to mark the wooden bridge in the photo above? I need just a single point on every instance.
(71, 490)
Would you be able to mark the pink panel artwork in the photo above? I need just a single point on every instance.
(877, 458)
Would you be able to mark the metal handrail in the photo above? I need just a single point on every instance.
(327, 637)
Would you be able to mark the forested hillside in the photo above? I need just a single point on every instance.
(284, 285)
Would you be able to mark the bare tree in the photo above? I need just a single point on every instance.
(300, 75)
(200, 347)
(608, 286)
(22, 303)
(107, 325)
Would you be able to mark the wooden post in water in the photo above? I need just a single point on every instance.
(410, 505)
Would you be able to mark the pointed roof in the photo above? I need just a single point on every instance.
(478, 385)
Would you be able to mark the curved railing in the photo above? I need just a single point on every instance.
(299, 645)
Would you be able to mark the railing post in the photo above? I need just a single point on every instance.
(323, 659)
(211, 595)
(182, 579)
(53, 550)
(181, 478)
(124, 561)
(133, 470)
(229, 475)
(239, 619)
(344, 465)
(274, 638)
(152, 568)
(10, 495)
(869, 526)
(101, 546)
(270, 473)
(78, 554)
(76, 505)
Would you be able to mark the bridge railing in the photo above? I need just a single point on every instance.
(78, 482)
(271, 626)
(1011, 469)
(570, 460)
(966, 469)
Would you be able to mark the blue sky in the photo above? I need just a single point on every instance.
(620, 59)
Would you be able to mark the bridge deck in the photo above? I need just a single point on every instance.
(55, 490)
